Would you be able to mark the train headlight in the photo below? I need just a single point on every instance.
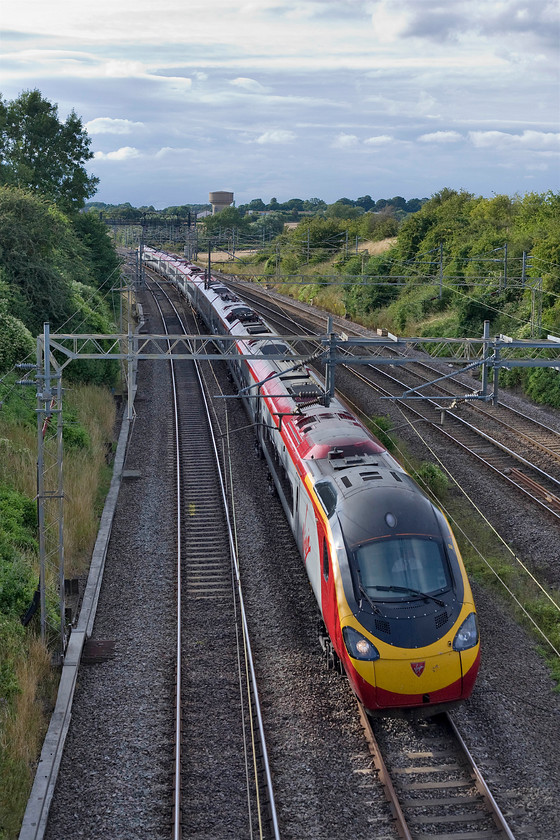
(358, 646)
(467, 635)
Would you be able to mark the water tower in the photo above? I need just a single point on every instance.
(220, 200)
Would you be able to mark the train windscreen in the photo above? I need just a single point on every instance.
(391, 569)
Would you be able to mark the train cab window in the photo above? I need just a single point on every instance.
(325, 559)
(400, 564)
(327, 495)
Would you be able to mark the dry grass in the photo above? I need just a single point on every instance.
(83, 469)
(21, 735)
(84, 473)
(23, 719)
(376, 248)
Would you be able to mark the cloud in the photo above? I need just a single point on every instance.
(107, 125)
(248, 84)
(388, 20)
(173, 151)
(124, 153)
(441, 137)
(460, 20)
(535, 140)
(378, 140)
(276, 136)
(344, 141)
(239, 83)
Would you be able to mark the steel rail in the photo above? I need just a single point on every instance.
(473, 405)
(400, 804)
(260, 723)
(384, 776)
(547, 500)
(177, 833)
(481, 785)
(493, 414)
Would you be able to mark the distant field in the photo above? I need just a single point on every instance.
(371, 247)
(375, 248)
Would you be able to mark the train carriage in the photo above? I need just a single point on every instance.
(382, 561)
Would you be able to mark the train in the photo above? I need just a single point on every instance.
(397, 614)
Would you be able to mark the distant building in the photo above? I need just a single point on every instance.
(220, 200)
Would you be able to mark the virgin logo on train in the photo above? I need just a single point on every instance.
(417, 667)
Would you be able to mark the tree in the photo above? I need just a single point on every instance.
(42, 154)
(293, 204)
(230, 217)
(47, 275)
(413, 205)
(314, 204)
(366, 202)
(341, 210)
(103, 260)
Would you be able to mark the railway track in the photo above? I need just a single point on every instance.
(114, 808)
(435, 789)
(528, 443)
(222, 782)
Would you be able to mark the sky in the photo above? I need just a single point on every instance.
(297, 98)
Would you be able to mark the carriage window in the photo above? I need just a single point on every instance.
(286, 486)
(325, 559)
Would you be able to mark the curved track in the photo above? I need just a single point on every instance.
(530, 459)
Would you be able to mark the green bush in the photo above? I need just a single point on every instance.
(16, 342)
(543, 386)
(18, 402)
(73, 433)
(430, 477)
(18, 518)
(379, 426)
(11, 650)
(18, 522)
(17, 582)
(75, 436)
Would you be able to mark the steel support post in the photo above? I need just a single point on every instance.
(60, 506)
(41, 419)
(330, 363)
(50, 482)
(485, 346)
(496, 372)
(130, 372)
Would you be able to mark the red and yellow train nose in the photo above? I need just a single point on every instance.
(440, 678)
(392, 677)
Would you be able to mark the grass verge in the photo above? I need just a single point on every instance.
(28, 683)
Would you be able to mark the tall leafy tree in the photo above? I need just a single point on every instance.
(40, 153)
(228, 218)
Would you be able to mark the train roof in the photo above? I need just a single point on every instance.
(319, 433)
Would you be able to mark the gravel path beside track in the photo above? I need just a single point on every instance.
(119, 744)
